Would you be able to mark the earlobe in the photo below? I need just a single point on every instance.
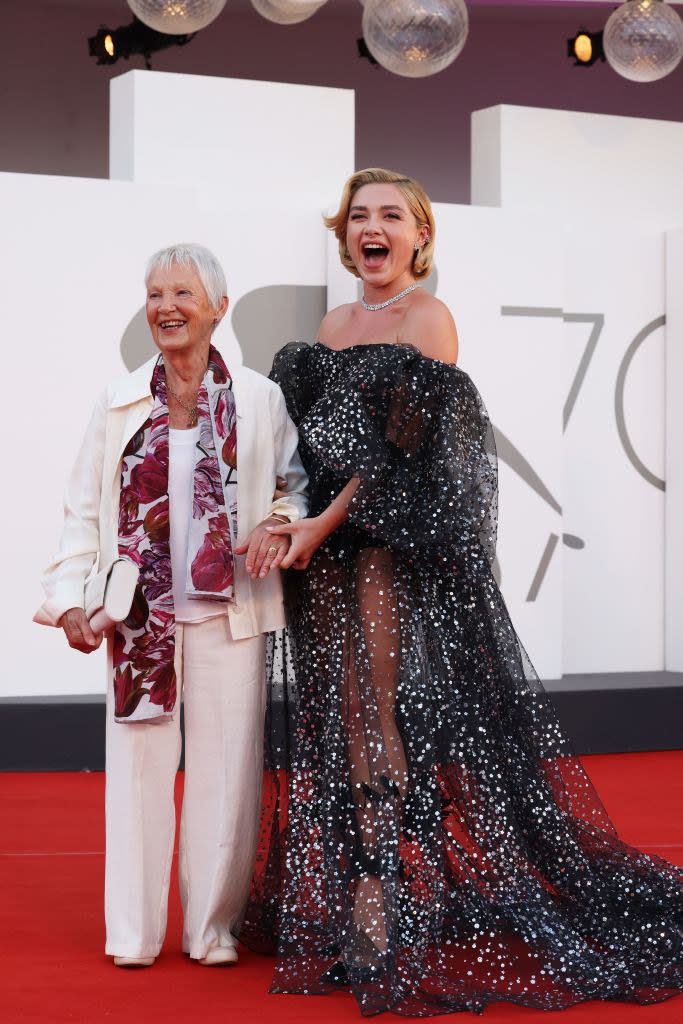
(222, 310)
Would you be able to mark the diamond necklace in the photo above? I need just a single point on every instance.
(381, 305)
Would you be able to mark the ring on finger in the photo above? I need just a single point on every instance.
(272, 550)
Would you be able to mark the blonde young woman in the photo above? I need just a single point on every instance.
(427, 842)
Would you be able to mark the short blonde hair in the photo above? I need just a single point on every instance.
(418, 203)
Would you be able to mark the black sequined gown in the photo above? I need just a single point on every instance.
(423, 819)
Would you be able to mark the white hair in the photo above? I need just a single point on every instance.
(201, 259)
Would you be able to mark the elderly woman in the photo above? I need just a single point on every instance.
(177, 473)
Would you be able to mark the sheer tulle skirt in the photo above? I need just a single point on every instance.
(424, 821)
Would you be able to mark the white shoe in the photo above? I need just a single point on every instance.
(134, 961)
(220, 956)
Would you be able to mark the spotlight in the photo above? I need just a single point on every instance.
(585, 48)
(137, 38)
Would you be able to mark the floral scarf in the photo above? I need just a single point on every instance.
(144, 643)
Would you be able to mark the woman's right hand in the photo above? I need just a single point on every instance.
(78, 632)
(306, 536)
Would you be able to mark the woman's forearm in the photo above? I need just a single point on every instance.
(337, 511)
(306, 535)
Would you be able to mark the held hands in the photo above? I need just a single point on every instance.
(78, 632)
(263, 551)
(264, 554)
(306, 536)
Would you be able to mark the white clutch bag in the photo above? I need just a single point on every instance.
(109, 595)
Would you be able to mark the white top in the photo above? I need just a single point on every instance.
(181, 446)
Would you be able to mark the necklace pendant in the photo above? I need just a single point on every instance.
(192, 418)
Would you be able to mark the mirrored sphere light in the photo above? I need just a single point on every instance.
(415, 37)
(176, 17)
(287, 12)
(643, 40)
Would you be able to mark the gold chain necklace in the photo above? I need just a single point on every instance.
(191, 410)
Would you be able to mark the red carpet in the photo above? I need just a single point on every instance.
(52, 967)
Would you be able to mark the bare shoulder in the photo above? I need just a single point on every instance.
(430, 327)
(335, 323)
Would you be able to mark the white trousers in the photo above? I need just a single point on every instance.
(223, 685)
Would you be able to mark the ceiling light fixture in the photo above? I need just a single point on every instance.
(585, 48)
(110, 44)
(644, 40)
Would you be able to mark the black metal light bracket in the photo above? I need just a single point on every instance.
(110, 44)
(364, 52)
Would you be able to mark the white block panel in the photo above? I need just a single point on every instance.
(267, 141)
(485, 156)
(673, 557)
(587, 165)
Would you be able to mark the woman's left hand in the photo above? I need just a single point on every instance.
(280, 488)
(306, 536)
(264, 552)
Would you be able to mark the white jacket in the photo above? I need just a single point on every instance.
(266, 448)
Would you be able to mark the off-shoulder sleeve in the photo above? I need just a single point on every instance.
(291, 372)
(416, 434)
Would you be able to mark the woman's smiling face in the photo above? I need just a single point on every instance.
(179, 313)
(381, 234)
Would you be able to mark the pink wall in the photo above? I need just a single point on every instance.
(54, 110)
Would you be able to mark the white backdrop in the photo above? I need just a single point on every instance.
(673, 568)
(612, 187)
(72, 264)
(614, 586)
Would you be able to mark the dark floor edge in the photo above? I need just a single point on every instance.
(67, 733)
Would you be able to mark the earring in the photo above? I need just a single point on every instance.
(417, 247)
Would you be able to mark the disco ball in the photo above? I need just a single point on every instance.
(415, 39)
(176, 17)
(643, 40)
(287, 12)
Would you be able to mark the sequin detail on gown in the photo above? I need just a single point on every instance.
(427, 838)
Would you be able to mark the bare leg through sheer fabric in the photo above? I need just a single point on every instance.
(377, 759)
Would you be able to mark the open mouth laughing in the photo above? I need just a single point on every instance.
(374, 254)
(172, 325)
